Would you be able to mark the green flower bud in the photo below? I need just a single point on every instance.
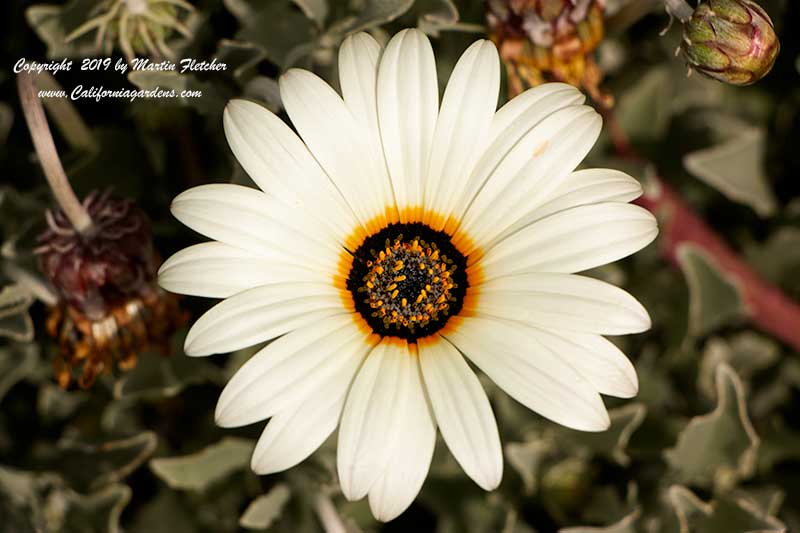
(732, 41)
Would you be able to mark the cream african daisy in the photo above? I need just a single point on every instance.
(394, 240)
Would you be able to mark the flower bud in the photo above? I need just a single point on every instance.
(732, 41)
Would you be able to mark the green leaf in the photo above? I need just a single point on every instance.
(17, 362)
(241, 57)
(378, 12)
(97, 512)
(89, 466)
(779, 443)
(15, 323)
(276, 26)
(736, 169)
(778, 259)
(155, 376)
(714, 301)
(266, 509)
(316, 10)
(55, 404)
(53, 23)
(643, 110)
(629, 524)
(613, 442)
(31, 502)
(725, 514)
(746, 352)
(717, 449)
(200, 470)
(526, 459)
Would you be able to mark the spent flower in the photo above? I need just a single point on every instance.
(733, 41)
(110, 308)
(549, 40)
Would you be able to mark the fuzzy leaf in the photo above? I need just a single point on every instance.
(735, 168)
(31, 502)
(719, 448)
(643, 109)
(316, 10)
(156, 377)
(714, 301)
(241, 57)
(15, 323)
(726, 514)
(613, 442)
(17, 361)
(266, 509)
(526, 459)
(53, 23)
(276, 26)
(200, 470)
(629, 524)
(746, 352)
(91, 466)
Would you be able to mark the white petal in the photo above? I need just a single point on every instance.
(582, 187)
(462, 128)
(408, 102)
(296, 432)
(529, 372)
(510, 124)
(595, 358)
(533, 168)
(337, 140)
(573, 240)
(278, 161)
(290, 369)
(371, 415)
(218, 270)
(462, 411)
(261, 314)
(358, 75)
(525, 110)
(411, 454)
(249, 219)
(566, 301)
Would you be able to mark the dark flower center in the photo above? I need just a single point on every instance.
(407, 280)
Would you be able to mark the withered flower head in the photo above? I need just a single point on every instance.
(549, 40)
(111, 309)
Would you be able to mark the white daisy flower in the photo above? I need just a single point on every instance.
(396, 237)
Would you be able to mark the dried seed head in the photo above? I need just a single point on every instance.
(549, 40)
(111, 308)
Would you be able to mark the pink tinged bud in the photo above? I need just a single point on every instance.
(733, 41)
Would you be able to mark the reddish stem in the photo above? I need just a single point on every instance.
(768, 308)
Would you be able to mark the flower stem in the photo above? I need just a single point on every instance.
(48, 156)
(768, 308)
(679, 9)
(326, 512)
